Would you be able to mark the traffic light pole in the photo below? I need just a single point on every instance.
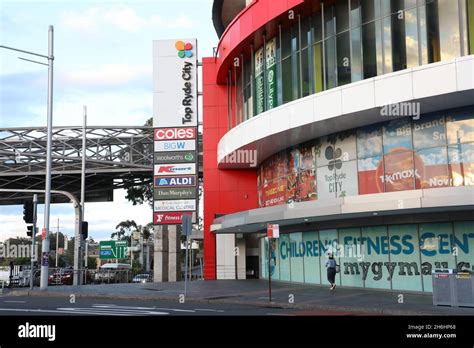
(33, 235)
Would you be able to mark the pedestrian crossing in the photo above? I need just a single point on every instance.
(117, 310)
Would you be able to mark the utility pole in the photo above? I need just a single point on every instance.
(57, 242)
(33, 235)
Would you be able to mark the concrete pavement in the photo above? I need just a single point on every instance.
(255, 292)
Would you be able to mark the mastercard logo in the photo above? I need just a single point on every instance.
(184, 49)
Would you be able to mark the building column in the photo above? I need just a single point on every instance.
(174, 249)
(160, 262)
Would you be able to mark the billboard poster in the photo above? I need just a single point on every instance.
(306, 186)
(175, 193)
(435, 168)
(370, 175)
(270, 64)
(429, 131)
(176, 181)
(461, 164)
(274, 193)
(175, 205)
(175, 157)
(171, 218)
(291, 186)
(175, 83)
(397, 135)
(369, 141)
(259, 81)
(400, 174)
(173, 169)
(175, 145)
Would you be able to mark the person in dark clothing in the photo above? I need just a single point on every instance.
(331, 266)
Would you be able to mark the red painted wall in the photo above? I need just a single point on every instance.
(225, 191)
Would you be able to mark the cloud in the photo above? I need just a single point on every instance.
(120, 17)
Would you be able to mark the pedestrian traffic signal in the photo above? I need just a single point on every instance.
(85, 230)
(28, 212)
(30, 230)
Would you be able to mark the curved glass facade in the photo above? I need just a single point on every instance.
(347, 41)
(436, 150)
(397, 257)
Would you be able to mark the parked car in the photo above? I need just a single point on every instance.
(142, 278)
(113, 273)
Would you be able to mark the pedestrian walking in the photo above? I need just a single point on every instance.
(332, 266)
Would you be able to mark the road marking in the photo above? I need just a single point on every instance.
(281, 314)
(209, 310)
(14, 301)
(29, 310)
(113, 306)
(109, 311)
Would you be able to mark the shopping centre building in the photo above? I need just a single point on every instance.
(350, 123)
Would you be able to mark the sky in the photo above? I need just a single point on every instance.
(103, 59)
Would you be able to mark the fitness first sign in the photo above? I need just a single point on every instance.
(175, 83)
(175, 120)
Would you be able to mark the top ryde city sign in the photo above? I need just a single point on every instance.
(175, 83)
(175, 121)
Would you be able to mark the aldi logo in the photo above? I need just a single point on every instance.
(176, 181)
(175, 145)
(173, 169)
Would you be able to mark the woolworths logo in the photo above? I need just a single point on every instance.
(189, 157)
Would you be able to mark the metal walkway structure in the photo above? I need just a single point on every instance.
(116, 157)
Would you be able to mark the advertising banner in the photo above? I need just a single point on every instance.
(173, 169)
(176, 181)
(259, 80)
(175, 205)
(175, 83)
(175, 157)
(175, 145)
(173, 218)
(175, 193)
(175, 133)
(270, 62)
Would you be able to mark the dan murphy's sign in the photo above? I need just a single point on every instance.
(175, 83)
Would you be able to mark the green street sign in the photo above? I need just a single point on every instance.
(112, 249)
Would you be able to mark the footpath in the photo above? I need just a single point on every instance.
(255, 292)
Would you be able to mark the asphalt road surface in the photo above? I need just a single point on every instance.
(123, 307)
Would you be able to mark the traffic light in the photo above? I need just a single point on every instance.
(85, 230)
(28, 212)
(30, 230)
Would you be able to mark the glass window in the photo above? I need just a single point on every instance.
(372, 49)
(386, 7)
(370, 10)
(423, 35)
(305, 31)
(259, 81)
(376, 250)
(461, 164)
(432, 28)
(399, 59)
(270, 64)
(370, 175)
(464, 240)
(369, 141)
(306, 186)
(342, 16)
(387, 45)
(297, 255)
(286, 80)
(411, 38)
(450, 43)
(356, 66)
(329, 21)
(306, 73)
(351, 269)
(355, 13)
(460, 125)
(285, 254)
(436, 250)
(317, 27)
(343, 59)
(399, 171)
(312, 272)
(397, 136)
(405, 256)
(470, 20)
(285, 43)
(431, 168)
(331, 74)
(429, 131)
(264, 258)
(318, 67)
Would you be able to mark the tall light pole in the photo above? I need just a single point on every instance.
(47, 196)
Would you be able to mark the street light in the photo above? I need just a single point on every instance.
(47, 196)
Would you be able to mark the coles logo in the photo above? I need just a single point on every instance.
(175, 133)
(184, 49)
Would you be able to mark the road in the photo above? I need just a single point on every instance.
(124, 307)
